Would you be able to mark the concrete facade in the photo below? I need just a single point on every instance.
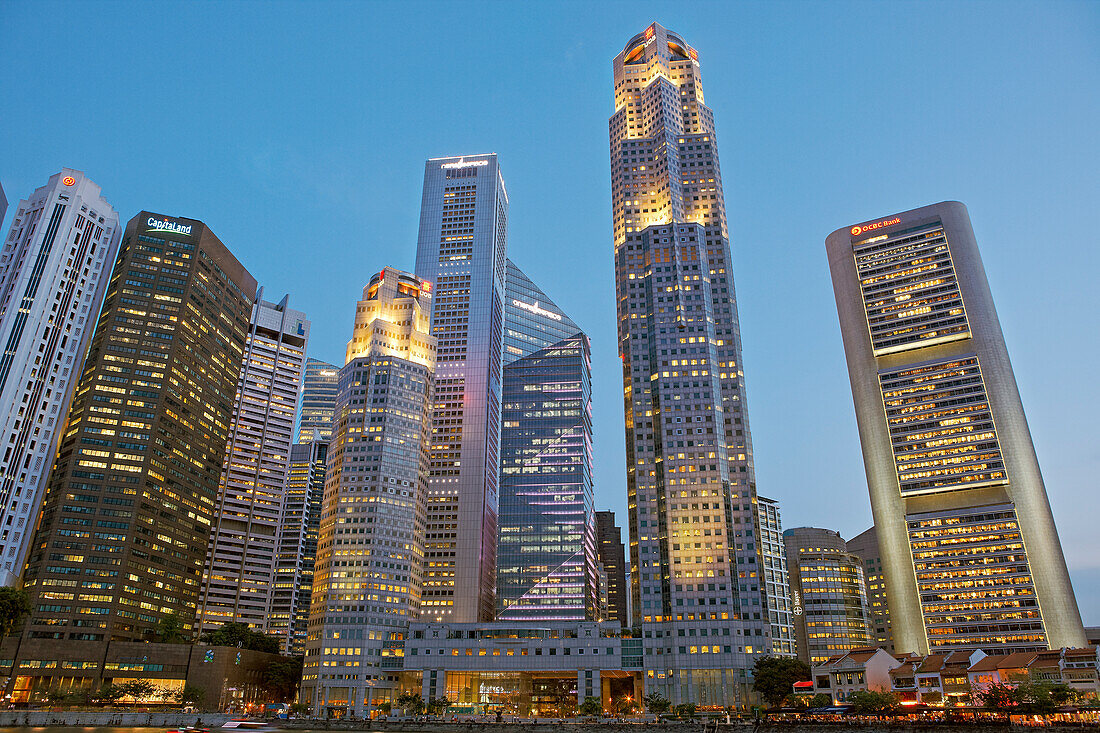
(945, 442)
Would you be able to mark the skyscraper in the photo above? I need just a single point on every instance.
(461, 251)
(319, 384)
(297, 545)
(695, 553)
(612, 556)
(546, 561)
(865, 544)
(54, 268)
(122, 535)
(969, 548)
(832, 614)
(776, 578)
(370, 556)
(239, 574)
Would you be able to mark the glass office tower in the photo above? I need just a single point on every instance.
(833, 610)
(696, 562)
(970, 553)
(547, 552)
(54, 268)
(239, 575)
(612, 556)
(132, 495)
(461, 252)
(370, 549)
(319, 384)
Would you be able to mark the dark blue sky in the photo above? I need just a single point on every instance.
(298, 132)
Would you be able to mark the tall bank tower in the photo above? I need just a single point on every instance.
(698, 579)
(969, 547)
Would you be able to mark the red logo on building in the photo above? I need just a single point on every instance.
(864, 228)
(68, 180)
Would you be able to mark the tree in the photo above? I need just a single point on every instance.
(591, 706)
(239, 635)
(55, 696)
(773, 677)
(170, 629)
(190, 695)
(685, 710)
(138, 689)
(281, 677)
(14, 607)
(1043, 697)
(411, 702)
(438, 706)
(299, 709)
(109, 693)
(624, 705)
(656, 704)
(385, 707)
(809, 702)
(998, 696)
(873, 702)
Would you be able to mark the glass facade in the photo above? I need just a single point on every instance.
(696, 560)
(461, 252)
(132, 496)
(531, 320)
(832, 614)
(946, 443)
(319, 385)
(612, 556)
(777, 578)
(547, 551)
(370, 550)
(975, 584)
(239, 575)
(297, 545)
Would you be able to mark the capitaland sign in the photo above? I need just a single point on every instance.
(864, 228)
(464, 164)
(167, 226)
(534, 308)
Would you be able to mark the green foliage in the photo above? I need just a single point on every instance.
(239, 635)
(438, 706)
(590, 706)
(299, 708)
(56, 696)
(998, 696)
(1043, 697)
(14, 607)
(281, 677)
(170, 629)
(808, 702)
(109, 693)
(624, 705)
(139, 689)
(873, 702)
(774, 676)
(190, 695)
(411, 702)
(656, 704)
(385, 707)
(685, 710)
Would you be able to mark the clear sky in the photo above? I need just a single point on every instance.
(298, 133)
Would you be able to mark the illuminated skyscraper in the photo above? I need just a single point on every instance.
(54, 268)
(969, 548)
(612, 556)
(833, 611)
(288, 618)
(696, 560)
(239, 576)
(546, 561)
(132, 495)
(461, 251)
(776, 578)
(370, 550)
(865, 544)
(318, 400)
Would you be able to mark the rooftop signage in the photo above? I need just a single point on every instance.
(536, 309)
(864, 228)
(167, 226)
(462, 163)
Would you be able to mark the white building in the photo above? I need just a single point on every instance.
(239, 574)
(54, 268)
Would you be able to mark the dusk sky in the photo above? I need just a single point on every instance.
(298, 133)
